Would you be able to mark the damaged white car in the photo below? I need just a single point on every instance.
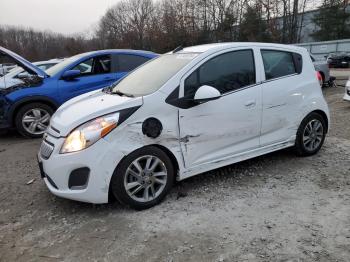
(347, 91)
(189, 111)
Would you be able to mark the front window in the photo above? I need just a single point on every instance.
(95, 65)
(226, 72)
(153, 75)
(60, 66)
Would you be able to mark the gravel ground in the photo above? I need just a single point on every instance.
(277, 207)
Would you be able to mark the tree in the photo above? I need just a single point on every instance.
(332, 20)
(253, 27)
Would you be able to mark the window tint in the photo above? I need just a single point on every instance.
(277, 63)
(226, 72)
(95, 65)
(130, 62)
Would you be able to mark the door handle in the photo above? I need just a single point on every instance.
(250, 103)
(108, 78)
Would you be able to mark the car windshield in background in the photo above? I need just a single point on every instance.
(153, 75)
(57, 68)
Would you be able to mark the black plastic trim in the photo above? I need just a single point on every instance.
(51, 181)
(126, 113)
(78, 178)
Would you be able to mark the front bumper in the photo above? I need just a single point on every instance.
(57, 170)
(347, 97)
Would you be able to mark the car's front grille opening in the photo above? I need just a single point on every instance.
(46, 149)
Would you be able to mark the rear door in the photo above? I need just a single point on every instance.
(95, 73)
(282, 92)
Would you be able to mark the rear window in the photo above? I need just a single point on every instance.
(279, 63)
(130, 62)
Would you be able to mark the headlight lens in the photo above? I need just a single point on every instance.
(89, 133)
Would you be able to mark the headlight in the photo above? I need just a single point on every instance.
(89, 133)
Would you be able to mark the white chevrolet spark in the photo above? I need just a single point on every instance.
(189, 111)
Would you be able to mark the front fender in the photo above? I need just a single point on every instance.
(29, 99)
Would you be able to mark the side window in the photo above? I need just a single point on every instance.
(130, 62)
(45, 66)
(278, 63)
(95, 65)
(226, 72)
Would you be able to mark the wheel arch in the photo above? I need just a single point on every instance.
(168, 152)
(28, 100)
(324, 116)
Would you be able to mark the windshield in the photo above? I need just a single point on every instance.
(153, 75)
(57, 68)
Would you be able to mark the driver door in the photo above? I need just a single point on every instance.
(227, 126)
(95, 73)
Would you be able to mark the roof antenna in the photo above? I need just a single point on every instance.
(177, 49)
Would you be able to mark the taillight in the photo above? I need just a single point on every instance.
(319, 78)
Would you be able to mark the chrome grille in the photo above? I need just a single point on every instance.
(46, 149)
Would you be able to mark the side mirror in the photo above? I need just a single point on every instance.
(206, 93)
(70, 74)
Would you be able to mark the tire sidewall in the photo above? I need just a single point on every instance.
(117, 181)
(300, 147)
(22, 111)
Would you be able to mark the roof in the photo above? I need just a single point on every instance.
(122, 51)
(222, 46)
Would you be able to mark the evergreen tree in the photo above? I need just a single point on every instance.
(253, 27)
(332, 20)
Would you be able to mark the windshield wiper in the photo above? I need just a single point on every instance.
(109, 90)
(119, 93)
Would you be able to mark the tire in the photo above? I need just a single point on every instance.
(127, 174)
(36, 114)
(312, 128)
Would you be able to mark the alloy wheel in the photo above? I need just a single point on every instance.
(313, 135)
(145, 178)
(36, 120)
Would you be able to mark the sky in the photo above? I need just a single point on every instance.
(62, 16)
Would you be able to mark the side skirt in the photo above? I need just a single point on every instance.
(235, 159)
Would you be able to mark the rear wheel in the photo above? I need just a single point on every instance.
(311, 135)
(32, 119)
(143, 178)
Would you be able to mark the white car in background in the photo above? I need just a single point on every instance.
(5, 68)
(13, 76)
(184, 113)
(347, 91)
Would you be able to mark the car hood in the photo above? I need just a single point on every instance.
(23, 62)
(87, 107)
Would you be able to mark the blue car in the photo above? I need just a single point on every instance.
(28, 104)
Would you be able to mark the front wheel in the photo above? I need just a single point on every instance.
(311, 135)
(32, 119)
(143, 178)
